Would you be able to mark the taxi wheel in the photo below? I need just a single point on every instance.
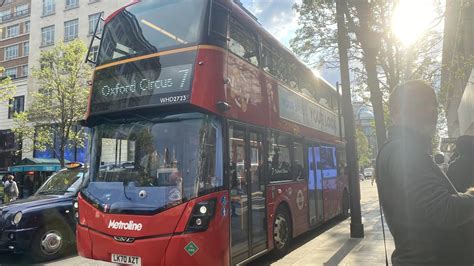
(50, 243)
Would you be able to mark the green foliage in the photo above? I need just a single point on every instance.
(378, 60)
(363, 151)
(61, 100)
(7, 89)
(316, 42)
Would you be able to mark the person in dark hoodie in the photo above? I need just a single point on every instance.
(461, 170)
(424, 212)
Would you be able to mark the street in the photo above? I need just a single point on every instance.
(329, 245)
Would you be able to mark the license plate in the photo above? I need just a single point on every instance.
(124, 259)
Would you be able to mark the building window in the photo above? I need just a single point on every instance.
(71, 29)
(94, 52)
(16, 105)
(5, 14)
(27, 26)
(72, 4)
(12, 31)
(48, 7)
(93, 22)
(11, 52)
(22, 10)
(10, 72)
(93, 1)
(47, 36)
(24, 70)
(26, 48)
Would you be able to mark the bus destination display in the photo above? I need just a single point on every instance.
(168, 85)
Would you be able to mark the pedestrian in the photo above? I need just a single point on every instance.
(11, 189)
(461, 170)
(423, 210)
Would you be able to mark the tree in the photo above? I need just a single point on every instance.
(363, 151)
(60, 102)
(378, 60)
(7, 89)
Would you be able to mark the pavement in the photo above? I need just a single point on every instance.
(330, 244)
(334, 246)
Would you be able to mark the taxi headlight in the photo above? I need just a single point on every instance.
(17, 218)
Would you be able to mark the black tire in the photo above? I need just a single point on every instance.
(282, 232)
(50, 243)
(345, 204)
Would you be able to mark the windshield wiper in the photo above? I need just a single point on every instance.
(49, 192)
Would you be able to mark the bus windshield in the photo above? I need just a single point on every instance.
(147, 166)
(151, 26)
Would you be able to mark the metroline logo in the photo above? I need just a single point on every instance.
(131, 226)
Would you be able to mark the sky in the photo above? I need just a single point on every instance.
(280, 19)
(277, 16)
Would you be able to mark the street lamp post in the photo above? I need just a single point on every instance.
(357, 228)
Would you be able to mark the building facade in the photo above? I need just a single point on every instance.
(15, 27)
(49, 22)
(458, 63)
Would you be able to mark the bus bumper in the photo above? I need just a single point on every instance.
(182, 249)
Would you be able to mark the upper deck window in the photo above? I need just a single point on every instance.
(243, 43)
(151, 26)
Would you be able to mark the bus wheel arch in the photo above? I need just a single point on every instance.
(282, 229)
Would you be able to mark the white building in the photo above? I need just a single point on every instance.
(62, 20)
(14, 49)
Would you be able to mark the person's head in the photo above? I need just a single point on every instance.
(465, 146)
(10, 177)
(413, 105)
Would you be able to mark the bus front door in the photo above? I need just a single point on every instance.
(247, 189)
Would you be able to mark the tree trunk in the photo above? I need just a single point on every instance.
(61, 152)
(375, 95)
(370, 43)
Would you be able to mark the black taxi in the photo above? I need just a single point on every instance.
(43, 224)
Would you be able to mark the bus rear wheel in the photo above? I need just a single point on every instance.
(282, 231)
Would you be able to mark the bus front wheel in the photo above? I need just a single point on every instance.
(282, 231)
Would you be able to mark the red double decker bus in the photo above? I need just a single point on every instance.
(210, 144)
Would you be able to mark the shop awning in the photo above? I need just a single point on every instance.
(36, 165)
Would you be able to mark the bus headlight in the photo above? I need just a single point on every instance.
(201, 216)
(17, 218)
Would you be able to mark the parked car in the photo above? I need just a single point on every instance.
(43, 225)
(368, 172)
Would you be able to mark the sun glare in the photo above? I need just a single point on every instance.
(411, 19)
(316, 73)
